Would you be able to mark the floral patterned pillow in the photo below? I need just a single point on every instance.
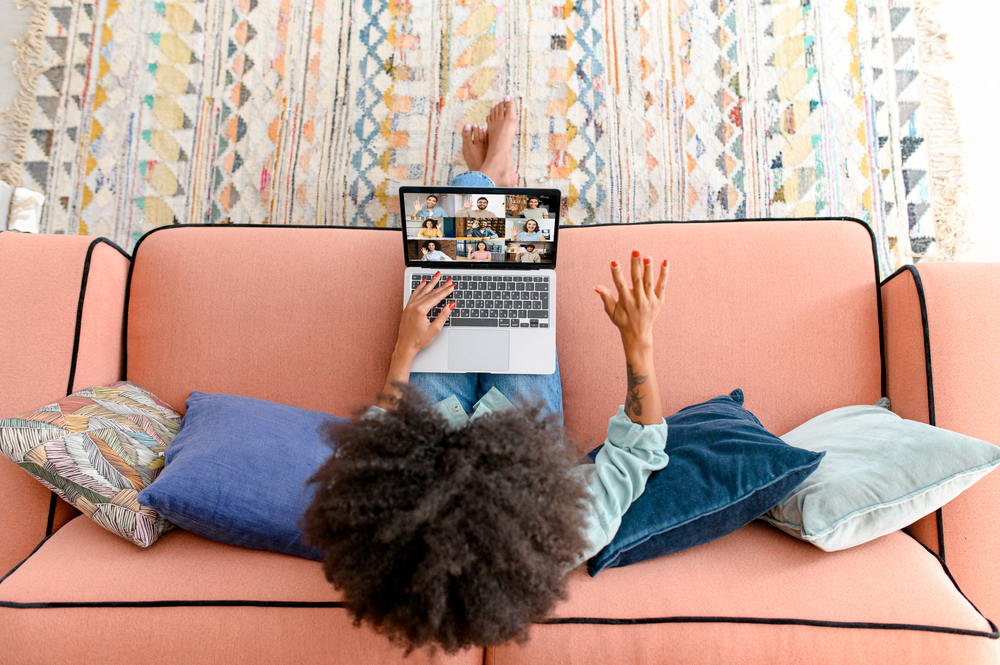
(97, 449)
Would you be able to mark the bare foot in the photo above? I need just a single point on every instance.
(474, 146)
(509, 177)
(501, 126)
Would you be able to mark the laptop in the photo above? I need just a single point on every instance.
(499, 246)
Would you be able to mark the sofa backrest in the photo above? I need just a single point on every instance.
(785, 310)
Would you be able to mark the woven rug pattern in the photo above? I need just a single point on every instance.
(314, 112)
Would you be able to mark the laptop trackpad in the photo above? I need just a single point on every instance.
(478, 350)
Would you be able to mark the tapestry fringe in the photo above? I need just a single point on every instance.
(945, 152)
(28, 65)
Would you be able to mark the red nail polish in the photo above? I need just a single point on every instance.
(598, 290)
(448, 281)
(614, 264)
(437, 274)
(635, 253)
(647, 260)
(665, 263)
(451, 305)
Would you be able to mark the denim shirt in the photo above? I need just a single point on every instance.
(615, 479)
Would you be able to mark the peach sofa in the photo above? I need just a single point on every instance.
(792, 312)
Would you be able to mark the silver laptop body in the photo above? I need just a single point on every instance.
(504, 321)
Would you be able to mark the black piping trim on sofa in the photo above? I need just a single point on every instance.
(776, 622)
(21, 562)
(51, 521)
(993, 635)
(931, 417)
(79, 307)
(871, 234)
(135, 252)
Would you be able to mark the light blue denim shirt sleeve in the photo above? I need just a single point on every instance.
(618, 476)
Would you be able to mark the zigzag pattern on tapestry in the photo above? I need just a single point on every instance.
(274, 112)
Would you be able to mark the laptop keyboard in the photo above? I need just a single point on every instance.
(493, 301)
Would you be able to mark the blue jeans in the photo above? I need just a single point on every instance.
(472, 179)
(470, 388)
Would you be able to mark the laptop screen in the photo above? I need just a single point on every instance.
(486, 228)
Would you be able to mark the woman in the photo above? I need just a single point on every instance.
(480, 253)
(449, 506)
(430, 252)
(530, 232)
(430, 229)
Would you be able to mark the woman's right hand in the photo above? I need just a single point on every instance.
(639, 300)
(417, 206)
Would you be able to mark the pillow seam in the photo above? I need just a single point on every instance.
(861, 512)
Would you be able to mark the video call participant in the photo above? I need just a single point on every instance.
(429, 252)
(480, 211)
(430, 210)
(480, 253)
(530, 232)
(429, 229)
(533, 211)
(528, 255)
(479, 229)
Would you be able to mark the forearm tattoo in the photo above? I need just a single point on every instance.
(633, 401)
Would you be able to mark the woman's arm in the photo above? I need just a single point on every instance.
(415, 332)
(633, 313)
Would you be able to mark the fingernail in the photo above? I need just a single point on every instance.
(451, 305)
(597, 289)
(665, 263)
(614, 264)
(448, 281)
(635, 253)
(437, 274)
(647, 260)
(468, 127)
(422, 281)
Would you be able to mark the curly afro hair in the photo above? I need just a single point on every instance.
(445, 537)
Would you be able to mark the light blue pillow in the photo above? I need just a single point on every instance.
(237, 472)
(880, 474)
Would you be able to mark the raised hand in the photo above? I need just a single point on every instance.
(417, 205)
(639, 299)
(468, 204)
(633, 313)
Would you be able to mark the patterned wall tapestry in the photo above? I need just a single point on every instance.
(314, 112)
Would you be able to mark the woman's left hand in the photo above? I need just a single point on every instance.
(415, 331)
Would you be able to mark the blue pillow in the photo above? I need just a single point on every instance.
(237, 472)
(725, 470)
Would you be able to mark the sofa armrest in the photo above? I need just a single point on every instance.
(62, 302)
(942, 348)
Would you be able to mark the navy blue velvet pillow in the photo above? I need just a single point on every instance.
(237, 471)
(725, 470)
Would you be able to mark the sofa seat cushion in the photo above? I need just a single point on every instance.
(86, 592)
(771, 599)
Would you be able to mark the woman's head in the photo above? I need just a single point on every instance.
(430, 246)
(480, 246)
(531, 226)
(431, 202)
(454, 537)
(431, 224)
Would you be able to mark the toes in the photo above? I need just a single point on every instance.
(508, 105)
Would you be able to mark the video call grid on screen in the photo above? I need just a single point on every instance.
(484, 228)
